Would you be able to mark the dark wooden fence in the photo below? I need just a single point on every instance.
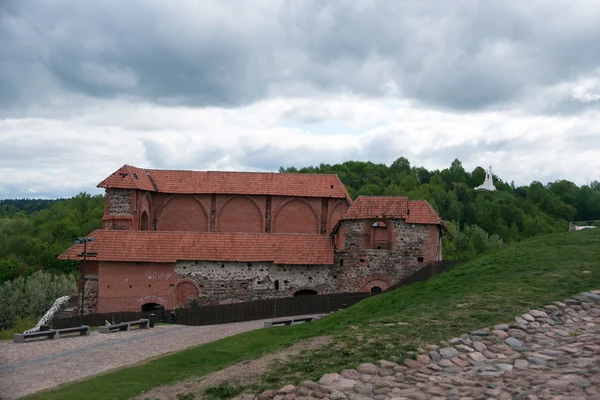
(228, 313)
(431, 269)
(253, 310)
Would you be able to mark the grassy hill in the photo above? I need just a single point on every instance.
(488, 290)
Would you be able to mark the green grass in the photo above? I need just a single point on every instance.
(489, 290)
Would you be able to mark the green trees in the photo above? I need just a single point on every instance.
(32, 241)
(480, 220)
(31, 296)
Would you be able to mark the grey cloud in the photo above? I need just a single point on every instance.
(455, 55)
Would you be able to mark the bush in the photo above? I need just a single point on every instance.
(32, 296)
(19, 326)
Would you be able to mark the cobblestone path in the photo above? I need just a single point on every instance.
(548, 353)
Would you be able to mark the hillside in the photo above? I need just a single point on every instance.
(487, 290)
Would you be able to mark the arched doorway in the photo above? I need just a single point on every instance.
(305, 292)
(144, 221)
(375, 290)
(152, 307)
(186, 290)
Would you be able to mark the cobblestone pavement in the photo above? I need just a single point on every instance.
(33, 366)
(549, 353)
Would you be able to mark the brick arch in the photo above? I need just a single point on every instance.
(185, 288)
(295, 215)
(372, 239)
(291, 292)
(145, 206)
(240, 213)
(182, 213)
(335, 215)
(153, 299)
(368, 283)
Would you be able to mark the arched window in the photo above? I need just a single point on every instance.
(379, 236)
(375, 290)
(305, 292)
(144, 221)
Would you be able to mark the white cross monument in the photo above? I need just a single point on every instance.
(488, 184)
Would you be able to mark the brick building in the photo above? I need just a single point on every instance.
(174, 237)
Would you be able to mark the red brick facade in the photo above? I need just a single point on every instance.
(171, 237)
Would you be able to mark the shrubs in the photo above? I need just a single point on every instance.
(30, 297)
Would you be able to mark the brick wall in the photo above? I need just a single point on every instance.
(184, 214)
(296, 215)
(240, 213)
(126, 286)
(131, 209)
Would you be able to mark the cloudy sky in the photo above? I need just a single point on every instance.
(86, 87)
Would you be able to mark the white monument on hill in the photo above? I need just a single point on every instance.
(488, 184)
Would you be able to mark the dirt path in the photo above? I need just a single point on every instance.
(241, 374)
(27, 368)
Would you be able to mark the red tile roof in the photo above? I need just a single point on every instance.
(412, 211)
(421, 212)
(377, 207)
(195, 182)
(152, 246)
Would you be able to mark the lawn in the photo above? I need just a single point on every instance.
(489, 290)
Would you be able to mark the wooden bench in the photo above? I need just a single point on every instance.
(125, 326)
(21, 337)
(83, 330)
(290, 321)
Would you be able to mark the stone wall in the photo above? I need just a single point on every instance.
(410, 247)
(118, 202)
(226, 282)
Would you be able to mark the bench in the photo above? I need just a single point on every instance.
(141, 323)
(290, 321)
(83, 330)
(125, 326)
(21, 337)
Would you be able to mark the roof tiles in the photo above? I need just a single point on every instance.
(152, 246)
(257, 183)
(412, 211)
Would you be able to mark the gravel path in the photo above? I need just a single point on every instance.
(27, 368)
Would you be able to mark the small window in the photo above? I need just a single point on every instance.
(420, 259)
(331, 187)
(276, 285)
(341, 262)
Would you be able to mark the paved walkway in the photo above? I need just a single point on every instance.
(30, 367)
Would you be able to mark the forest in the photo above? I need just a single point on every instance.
(34, 232)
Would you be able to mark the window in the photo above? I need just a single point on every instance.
(375, 290)
(276, 285)
(380, 236)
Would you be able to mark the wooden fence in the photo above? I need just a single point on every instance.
(431, 269)
(253, 310)
(228, 313)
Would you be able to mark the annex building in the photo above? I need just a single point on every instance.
(173, 238)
